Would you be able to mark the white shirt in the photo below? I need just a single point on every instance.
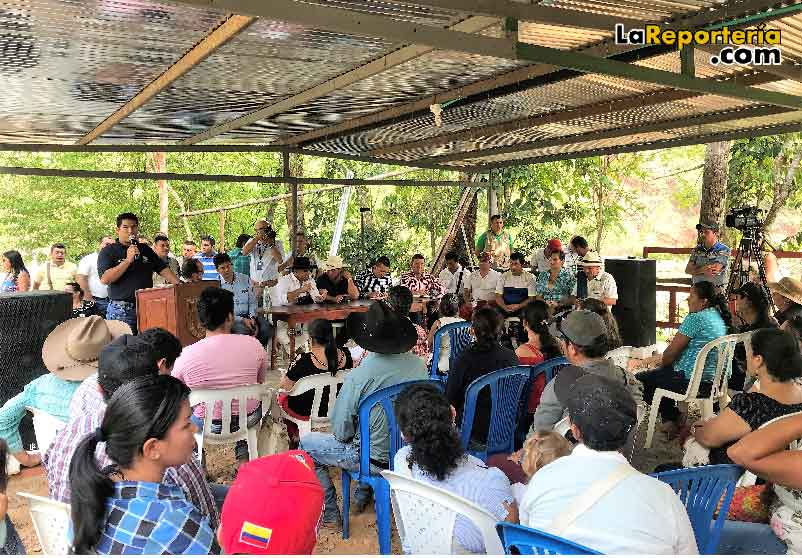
(538, 259)
(88, 266)
(602, 286)
(523, 281)
(450, 280)
(483, 288)
(641, 515)
(264, 266)
(287, 283)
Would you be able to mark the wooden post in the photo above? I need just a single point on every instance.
(222, 223)
(492, 198)
(160, 165)
(294, 192)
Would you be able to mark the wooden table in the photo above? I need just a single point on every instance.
(295, 314)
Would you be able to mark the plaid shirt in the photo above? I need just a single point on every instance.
(151, 518)
(189, 478)
(426, 282)
(240, 263)
(368, 283)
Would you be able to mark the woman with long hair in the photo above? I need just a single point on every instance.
(324, 356)
(435, 455)
(540, 346)
(752, 312)
(708, 319)
(17, 278)
(599, 307)
(485, 355)
(449, 314)
(126, 509)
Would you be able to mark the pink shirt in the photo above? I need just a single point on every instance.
(220, 362)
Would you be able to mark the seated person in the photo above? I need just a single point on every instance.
(435, 455)
(540, 449)
(453, 276)
(598, 284)
(297, 287)
(323, 356)
(708, 319)
(514, 290)
(638, 514)
(375, 281)
(773, 357)
(556, 285)
(399, 299)
(787, 295)
(540, 346)
(336, 281)
(246, 321)
(80, 308)
(124, 359)
(485, 355)
(480, 286)
(146, 429)
(192, 270)
(273, 507)
(423, 284)
(751, 312)
(222, 360)
(10, 542)
(603, 310)
(448, 310)
(70, 353)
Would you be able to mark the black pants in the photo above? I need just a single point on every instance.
(668, 378)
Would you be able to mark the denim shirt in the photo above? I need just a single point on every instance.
(244, 297)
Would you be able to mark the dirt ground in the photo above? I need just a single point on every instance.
(222, 468)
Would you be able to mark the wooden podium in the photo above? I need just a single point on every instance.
(174, 308)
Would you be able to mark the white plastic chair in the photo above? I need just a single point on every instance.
(620, 356)
(425, 516)
(45, 427)
(209, 397)
(718, 393)
(316, 382)
(51, 520)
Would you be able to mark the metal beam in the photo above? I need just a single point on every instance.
(400, 56)
(211, 42)
(658, 126)
(124, 175)
(584, 111)
(606, 48)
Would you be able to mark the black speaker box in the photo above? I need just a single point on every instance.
(636, 309)
(26, 319)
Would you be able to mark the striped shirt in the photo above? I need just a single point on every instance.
(368, 283)
(209, 271)
(425, 282)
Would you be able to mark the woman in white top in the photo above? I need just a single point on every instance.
(435, 455)
(449, 310)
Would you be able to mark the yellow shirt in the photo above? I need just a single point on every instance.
(59, 276)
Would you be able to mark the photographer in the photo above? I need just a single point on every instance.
(709, 259)
(266, 256)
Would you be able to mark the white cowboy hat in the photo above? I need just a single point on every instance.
(332, 262)
(591, 259)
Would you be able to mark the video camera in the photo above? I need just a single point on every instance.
(745, 218)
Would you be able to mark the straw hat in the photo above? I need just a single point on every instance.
(590, 259)
(788, 287)
(332, 262)
(72, 349)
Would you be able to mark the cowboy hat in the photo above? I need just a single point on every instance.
(302, 264)
(590, 259)
(381, 330)
(332, 262)
(788, 287)
(72, 349)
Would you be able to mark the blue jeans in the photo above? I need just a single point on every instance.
(101, 305)
(326, 451)
(740, 537)
(666, 377)
(122, 311)
(219, 491)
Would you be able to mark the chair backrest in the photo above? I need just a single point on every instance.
(425, 516)
(318, 383)
(701, 489)
(459, 334)
(518, 539)
(506, 386)
(210, 397)
(549, 368)
(383, 398)
(620, 356)
(45, 426)
(723, 350)
(51, 521)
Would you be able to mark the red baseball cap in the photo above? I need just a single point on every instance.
(555, 245)
(274, 506)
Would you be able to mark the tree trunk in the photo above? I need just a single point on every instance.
(297, 171)
(784, 185)
(469, 224)
(714, 183)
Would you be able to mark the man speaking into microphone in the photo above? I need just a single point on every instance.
(127, 266)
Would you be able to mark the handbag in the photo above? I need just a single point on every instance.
(272, 437)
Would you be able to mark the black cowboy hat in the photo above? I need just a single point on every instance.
(302, 264)
(381, 330)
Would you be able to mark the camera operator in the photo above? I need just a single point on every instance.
(708, 261)
(266, 256)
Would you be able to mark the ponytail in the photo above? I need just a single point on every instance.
(706, 291)
(89, 488)
(323, 334)
(536, 316)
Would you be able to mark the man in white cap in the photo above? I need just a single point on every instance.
(70, 353)
(336, 280)
(600, 284)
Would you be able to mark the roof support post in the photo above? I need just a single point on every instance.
(687, 63)
(285, 158)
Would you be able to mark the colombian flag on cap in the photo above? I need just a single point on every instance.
(255, 535)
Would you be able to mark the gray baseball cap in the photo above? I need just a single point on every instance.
(580, 327)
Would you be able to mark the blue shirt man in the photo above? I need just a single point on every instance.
(708, 261)
(206, 257)
(245, 307)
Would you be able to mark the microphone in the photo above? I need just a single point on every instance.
(134, 242)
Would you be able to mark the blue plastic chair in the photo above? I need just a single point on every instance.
(381, 489)
(517, 539)
(701, 489)
(459, 334)
(549, 369)
(506, 386)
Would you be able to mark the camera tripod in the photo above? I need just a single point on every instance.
(750, 249)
